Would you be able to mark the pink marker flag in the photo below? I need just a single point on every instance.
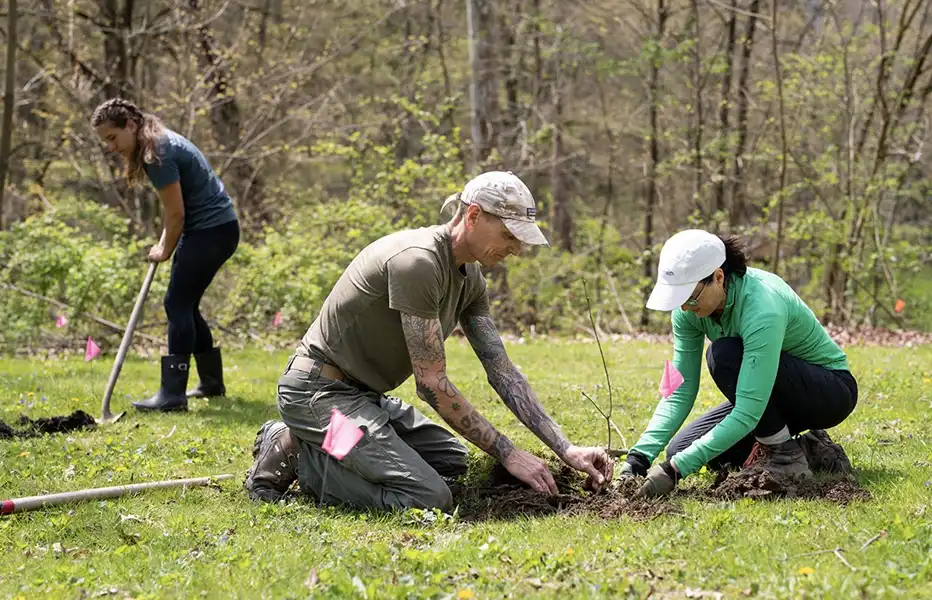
(277, 320)
(342, 435)
(671, 380)
(92, 349)
(61, 321)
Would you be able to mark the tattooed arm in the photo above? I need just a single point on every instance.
(428, 358)
(510, 384)
(424, 339)
(517, 395)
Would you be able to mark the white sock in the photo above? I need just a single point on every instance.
(778, 438)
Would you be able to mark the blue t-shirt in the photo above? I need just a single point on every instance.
(206, 203)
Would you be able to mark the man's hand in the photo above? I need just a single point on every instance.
(531, 470)
(592, 461)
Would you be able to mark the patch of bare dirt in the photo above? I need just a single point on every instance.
(841, 489)
(502, 496)
(28, 428)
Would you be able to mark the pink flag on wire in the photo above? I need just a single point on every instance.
(277, 320)
(342, 435)
(61, 321)
(671, 380)
(92, 349)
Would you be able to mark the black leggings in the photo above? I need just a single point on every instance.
(198, 257)
(805, 396)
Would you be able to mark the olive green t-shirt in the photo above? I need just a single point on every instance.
(358, 328)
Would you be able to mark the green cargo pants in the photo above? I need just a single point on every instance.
(400, 461)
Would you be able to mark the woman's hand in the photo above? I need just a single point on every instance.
(158, 254)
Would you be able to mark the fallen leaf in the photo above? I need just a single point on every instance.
(465, 594)
(806, 571)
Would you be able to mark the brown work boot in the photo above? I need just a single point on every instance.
(787, 458)
(274, 469)
(824, 455)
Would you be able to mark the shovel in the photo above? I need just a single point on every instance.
(105, 415)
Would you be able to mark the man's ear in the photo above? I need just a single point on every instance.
(473, 214)
(719, 275)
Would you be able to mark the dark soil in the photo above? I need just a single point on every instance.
(502, 496)
(33, 428)
(750, 484)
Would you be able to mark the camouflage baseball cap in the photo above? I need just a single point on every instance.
(504, 195)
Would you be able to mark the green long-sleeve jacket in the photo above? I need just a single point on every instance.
(769, 317)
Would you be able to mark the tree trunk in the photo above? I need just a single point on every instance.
(9, 91)
(561, 216)
(736, 214)
(778, 74)
(482, 79)
(247, 184)
(723, 108)
(698, 84)
(116, 52)
(475, 106)
(653, 90)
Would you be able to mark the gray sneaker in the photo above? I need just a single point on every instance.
(274, 469)
(787, 458)
(824, 455)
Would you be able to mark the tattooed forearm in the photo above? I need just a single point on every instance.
(510, 384)
(427, 395)
(424, 339)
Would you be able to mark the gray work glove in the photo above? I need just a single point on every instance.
(661, 480)
(635, 465)
(626, 472)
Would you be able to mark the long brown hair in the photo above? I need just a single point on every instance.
(149, 129)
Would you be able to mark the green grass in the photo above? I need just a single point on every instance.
(216, 543)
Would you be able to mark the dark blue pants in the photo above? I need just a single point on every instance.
(198, 257)
(805, 396)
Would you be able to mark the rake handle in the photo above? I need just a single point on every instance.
(28, 503)
(127, 338)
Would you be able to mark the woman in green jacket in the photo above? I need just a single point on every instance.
(780, 372)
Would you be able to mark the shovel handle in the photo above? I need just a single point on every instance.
(127, 337)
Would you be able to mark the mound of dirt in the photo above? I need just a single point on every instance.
(33, 428)
(762, 484)
(502, 496)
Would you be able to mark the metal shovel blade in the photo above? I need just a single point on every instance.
(108, 417)
(105, 415)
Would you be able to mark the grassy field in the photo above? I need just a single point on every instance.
(215, 543)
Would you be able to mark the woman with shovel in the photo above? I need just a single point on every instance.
(200, 228)
(780, 372)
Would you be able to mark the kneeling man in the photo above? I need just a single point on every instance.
(387, 318)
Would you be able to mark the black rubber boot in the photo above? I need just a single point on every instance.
(210, 372)
(171, 394)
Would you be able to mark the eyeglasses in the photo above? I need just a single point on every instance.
(695, 301)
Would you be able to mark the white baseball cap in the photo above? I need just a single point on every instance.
(686, 259)
(504, 195)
